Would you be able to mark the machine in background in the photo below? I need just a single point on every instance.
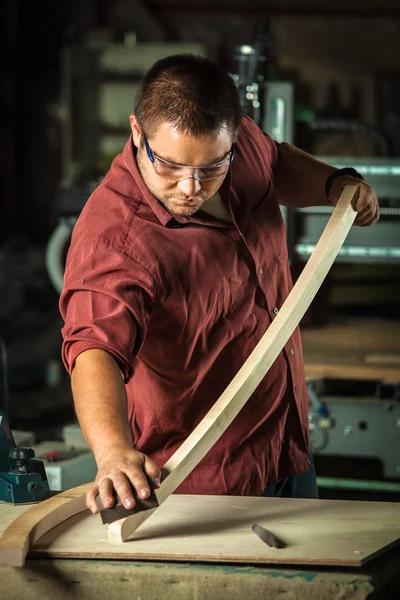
(351, 415)
(22, 478)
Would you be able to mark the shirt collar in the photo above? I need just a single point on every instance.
(130, 163)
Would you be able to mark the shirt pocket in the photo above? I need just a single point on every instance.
(268, 217)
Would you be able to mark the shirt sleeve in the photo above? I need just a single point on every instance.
(272, 149)
(105, 305)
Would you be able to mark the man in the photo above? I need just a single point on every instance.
(177, 266)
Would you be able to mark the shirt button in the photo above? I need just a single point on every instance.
(291, 351)
(276, 310)
(260, 271)
(296, 389)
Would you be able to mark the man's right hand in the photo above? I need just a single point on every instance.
(121, 470)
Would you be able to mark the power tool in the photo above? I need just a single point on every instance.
(22, 478)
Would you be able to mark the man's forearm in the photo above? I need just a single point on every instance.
(299, 178)
(100, 402)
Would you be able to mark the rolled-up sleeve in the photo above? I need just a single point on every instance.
(105, 304)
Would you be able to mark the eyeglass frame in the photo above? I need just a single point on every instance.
(153, 157)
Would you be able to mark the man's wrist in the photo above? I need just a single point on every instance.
(103, 452)
(340, 173)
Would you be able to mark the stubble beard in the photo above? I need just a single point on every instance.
(168, 200)
(181, 210)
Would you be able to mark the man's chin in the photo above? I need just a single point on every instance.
(185, 212)
(183, 208)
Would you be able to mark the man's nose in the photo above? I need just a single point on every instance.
(189, 186)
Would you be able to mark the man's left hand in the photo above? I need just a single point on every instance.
(367, 205)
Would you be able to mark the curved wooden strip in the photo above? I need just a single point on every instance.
(38, 520)
(256, 366)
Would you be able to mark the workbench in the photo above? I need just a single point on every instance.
(66, 562)
(92, 575)
(63, 579)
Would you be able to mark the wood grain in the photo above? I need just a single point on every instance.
(218, 529)
(38, 519)
(209, 430)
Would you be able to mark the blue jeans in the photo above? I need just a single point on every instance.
(296, 486)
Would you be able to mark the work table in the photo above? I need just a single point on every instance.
(202, 547)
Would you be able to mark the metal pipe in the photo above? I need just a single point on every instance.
(54, 252)
(351, 125)
(358, 484)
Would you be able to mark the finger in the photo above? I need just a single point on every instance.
(368, 219)
(139, 482)
(152, 471)
(123, 489)
(365, 214)
(363, 222)
(368, 211)
(106, 492)
(90, 498)
(365, 200)
(371, 220)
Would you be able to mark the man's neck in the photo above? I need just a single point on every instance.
(214, 206)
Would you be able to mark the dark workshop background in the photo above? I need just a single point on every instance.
(323, 75)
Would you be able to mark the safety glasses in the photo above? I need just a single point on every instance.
(169, 170)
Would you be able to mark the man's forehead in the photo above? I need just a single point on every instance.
(172, 131)
(171, 144)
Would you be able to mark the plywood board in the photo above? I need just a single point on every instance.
(218, 529)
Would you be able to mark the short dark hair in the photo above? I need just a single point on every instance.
(191, 92)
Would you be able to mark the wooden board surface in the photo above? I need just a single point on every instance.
(353, 349)
(218, 528)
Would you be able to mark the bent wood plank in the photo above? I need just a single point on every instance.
(219, 417)
(38, 520)
(30, 526)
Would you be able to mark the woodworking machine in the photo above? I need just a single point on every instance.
(22, 478)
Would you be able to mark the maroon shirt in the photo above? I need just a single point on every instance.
(181, 302)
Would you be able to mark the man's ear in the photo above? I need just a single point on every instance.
(136, 130)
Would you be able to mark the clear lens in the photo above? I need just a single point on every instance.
(169, 171)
